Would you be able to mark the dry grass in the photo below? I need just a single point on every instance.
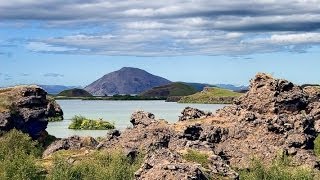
(5, 101)
(6, 98)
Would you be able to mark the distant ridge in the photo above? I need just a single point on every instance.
(55, 89)
(75, 93)
(172, 89)
(127, 80)
(198, 86)
(232, 87)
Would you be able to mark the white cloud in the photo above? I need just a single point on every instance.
(170, 27)
(43, 47)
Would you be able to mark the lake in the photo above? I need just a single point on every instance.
(118, 112)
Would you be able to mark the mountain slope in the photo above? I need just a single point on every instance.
(198, 86)
(232, 87)
(127, 80)
(75, 93)
(211, 95)
(172, 89)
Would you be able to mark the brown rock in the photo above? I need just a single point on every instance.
(28, 110)
(165, 164)
(192, 113)
(73, 142)
(142, 118)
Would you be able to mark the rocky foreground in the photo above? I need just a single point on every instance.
(274, 118)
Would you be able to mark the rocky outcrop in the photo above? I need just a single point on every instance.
(27, 109)
(141, 118)
(147, 132)
(72, 143)
(166, 164)
(193, 113)
(273, 116)
(53, 109)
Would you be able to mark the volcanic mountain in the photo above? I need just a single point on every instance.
(127, 80)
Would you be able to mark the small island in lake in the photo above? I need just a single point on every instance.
(83, 123)
(73, 93)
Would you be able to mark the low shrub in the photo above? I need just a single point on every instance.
(316, 148)
(280, 169)
(80, 122)
(18, 153)
(197, 157)
(99, 166)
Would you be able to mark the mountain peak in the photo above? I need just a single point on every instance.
(129, 68)
(127, 80)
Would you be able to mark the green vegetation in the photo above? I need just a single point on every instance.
(317, 146)
(20, 158)
(172, 89)
(80, 122)
(99, 165)
(211, 96)
(56, 118)
(18, 153)
(75, 93)
(279, 169)
(197, 157)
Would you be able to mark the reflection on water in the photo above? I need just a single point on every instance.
(118, 112)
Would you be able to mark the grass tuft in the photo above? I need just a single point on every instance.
(280, 169)
(100, 165)
(197, 157)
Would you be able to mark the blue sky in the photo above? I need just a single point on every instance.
(76, 42)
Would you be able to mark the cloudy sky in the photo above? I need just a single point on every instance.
(75, 42)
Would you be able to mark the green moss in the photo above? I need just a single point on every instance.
(197, 157)
(80, 122)
(317, 146)
(211, 96)
(279, 169)
(100, 165)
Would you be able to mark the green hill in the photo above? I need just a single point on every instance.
(211, 95)
(172, 89)
(75, 93)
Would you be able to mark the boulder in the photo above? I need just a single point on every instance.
(142, 118)
(269, 95)
(273, 116)
(166, 164)
(27, 109)
(72, 143)
(193, 113)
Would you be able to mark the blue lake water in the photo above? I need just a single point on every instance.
(118, 112)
